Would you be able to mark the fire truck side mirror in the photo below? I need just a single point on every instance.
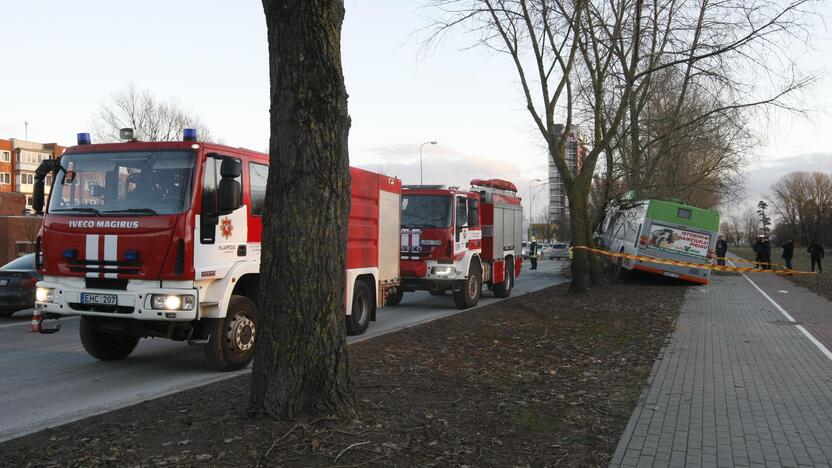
(38, 196)
(230, 192)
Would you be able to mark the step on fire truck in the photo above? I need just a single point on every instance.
(163, 240)
(459, 240)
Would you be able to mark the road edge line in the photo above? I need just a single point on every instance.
(823, 349)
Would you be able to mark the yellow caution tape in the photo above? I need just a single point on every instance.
(707, 266)
(742, 260)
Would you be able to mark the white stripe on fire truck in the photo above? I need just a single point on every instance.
(91, 254)
(111, 253)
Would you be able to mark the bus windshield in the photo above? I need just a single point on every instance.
(123, 184)
(426, 211)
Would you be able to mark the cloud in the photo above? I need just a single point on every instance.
(449, 170)
(761, 177)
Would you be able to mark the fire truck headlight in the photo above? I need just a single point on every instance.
(443, 270)
(45, 295)
(172, 302)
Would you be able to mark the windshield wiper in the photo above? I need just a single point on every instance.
(148, 211)
(82, 209)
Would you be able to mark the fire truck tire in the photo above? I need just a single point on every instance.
(362, 309)
(231, 345)
(469, 294)
(504, 289)
(105, 346)
(396, 298)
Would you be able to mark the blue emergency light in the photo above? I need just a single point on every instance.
(189, 134)
(84, 139)
(70, 253)
(131, 255)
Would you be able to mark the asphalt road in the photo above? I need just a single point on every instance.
(49, 380)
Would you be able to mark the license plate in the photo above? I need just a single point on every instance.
(99, 299)
(4, 282)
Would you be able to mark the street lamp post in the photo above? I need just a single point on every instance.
(421, 180)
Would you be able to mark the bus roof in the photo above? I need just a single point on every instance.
(679, 213)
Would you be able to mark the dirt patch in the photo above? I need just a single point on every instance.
(542, 379)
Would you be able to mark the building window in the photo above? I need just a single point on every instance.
(28, 201)
(26, 178)
(31, 157)
(22, 248)
(5, 178)
(5, 156)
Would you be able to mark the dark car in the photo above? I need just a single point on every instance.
(17, 285)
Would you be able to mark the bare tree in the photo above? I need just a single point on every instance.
(593, 64)
(750, 224)
(803, 202)
(301, 366)
(150, 118)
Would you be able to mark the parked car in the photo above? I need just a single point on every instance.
(17, 285)
(559, 251)
(524, 250)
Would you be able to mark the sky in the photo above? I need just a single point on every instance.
(63, 60)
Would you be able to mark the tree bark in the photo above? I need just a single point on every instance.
(301, 367)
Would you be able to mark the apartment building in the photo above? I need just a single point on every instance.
(575, 154)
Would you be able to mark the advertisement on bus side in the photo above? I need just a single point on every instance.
(678, 241)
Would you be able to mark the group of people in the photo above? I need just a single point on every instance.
(762, 252)
(762, 249)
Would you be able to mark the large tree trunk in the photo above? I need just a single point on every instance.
(300, 364)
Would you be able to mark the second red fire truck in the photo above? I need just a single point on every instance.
(162, 239)
(461, 240)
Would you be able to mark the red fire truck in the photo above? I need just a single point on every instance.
(155, 239)
(460, 240)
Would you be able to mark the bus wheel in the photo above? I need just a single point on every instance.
(469, 293)
(612, 269)
(504, 289)
(105, 346)
(395, 298)
(362, 309)
(231, 345)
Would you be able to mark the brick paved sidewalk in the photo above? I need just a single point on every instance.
(737, 384)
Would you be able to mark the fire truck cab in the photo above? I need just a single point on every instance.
(459, 240)
(162, 239)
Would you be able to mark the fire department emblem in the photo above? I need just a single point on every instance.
(226, 228)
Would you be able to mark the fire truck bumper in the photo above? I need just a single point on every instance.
(435, 277)
(142, 300)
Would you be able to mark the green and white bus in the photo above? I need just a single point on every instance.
(660, 229)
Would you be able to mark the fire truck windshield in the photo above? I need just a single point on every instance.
(426, 211)
(123, 184)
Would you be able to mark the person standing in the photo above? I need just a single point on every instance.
(788, 253)
(758, 252)
(766, 254)
(721, 250)
(533, 253)
(816, 254)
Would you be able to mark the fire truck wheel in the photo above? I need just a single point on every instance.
(504, 289)
(469, 293)
(231, 345)
(362, 309)
(105, 346)
(396, 298)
